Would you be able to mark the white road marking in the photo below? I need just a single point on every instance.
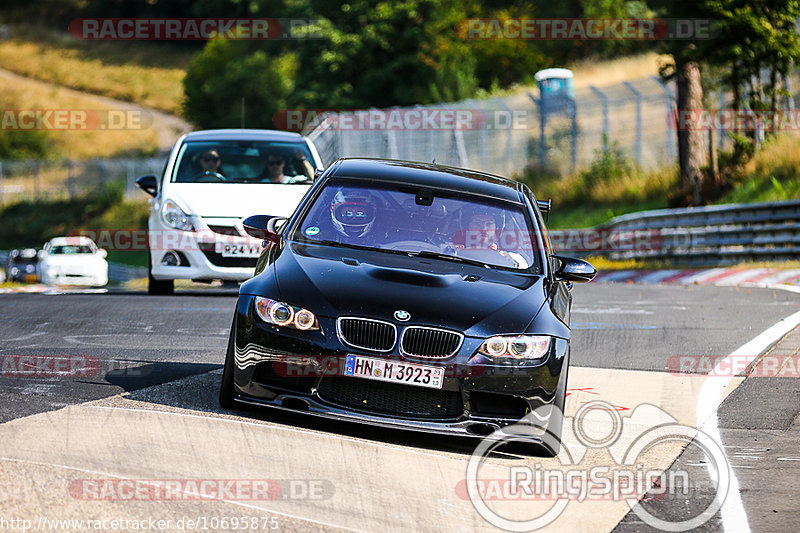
(734, 516)
(38, 389)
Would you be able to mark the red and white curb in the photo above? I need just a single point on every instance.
(711, 276)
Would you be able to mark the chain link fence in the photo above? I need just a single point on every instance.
(56, 180)
(505, 135)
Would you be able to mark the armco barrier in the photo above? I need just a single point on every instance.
(719, 234)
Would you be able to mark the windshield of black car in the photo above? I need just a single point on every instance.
(405, 219)
(243, 162)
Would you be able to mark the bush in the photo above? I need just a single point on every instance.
(24, 144)
(608, 165)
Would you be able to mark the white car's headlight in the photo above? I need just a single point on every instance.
(175, 217)
(283, 314)
(527, 347)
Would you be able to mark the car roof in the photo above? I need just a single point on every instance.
(428, 175)
(243, 135)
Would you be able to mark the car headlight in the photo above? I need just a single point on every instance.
(175, 217)
(283, 314)
(527, 347)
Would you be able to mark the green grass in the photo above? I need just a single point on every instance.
(31, 224)
(772, 175)
(148, 74)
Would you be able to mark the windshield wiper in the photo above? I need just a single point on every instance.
(427, 254)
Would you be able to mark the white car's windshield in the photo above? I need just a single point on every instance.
(449, 225)
(243, 162)
(71, 249)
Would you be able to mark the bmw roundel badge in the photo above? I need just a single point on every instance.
(401, 315)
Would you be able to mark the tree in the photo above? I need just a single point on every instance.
(227, 71)
(380, 54)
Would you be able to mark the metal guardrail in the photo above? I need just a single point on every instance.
(720, 234)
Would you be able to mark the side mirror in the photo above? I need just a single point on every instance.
(263, 227)
(102, 253)
(148, 184)
(576, 270)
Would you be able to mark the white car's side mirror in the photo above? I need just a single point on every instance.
(102, 253)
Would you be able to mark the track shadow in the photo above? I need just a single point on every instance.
(199, 393)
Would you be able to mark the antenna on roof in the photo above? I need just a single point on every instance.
(434, 161)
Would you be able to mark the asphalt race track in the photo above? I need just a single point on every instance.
(147, 412)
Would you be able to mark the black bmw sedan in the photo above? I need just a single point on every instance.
(412, 296)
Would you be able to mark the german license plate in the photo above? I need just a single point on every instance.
(394, 371)
(237, 250)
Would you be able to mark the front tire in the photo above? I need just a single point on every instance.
(158, 287)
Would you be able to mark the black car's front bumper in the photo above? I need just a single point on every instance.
(303, 371)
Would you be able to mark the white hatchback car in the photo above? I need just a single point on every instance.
(213, 180)
(73, 261)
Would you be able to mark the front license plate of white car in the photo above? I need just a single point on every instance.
(238, 250)
(394, 371)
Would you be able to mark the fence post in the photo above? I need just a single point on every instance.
(638, 97)
(131, 185)
(542, 143)
(721, 132)
(460, 148)
(789, 97)
(508, 136)
(70, 179)
(574, 111)
(604, 102)
(35, 167)
(671, 150)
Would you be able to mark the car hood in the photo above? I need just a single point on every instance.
(236, 199)
(72, 259)
(337, 282)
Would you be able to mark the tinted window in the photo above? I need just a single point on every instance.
(353, 213)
